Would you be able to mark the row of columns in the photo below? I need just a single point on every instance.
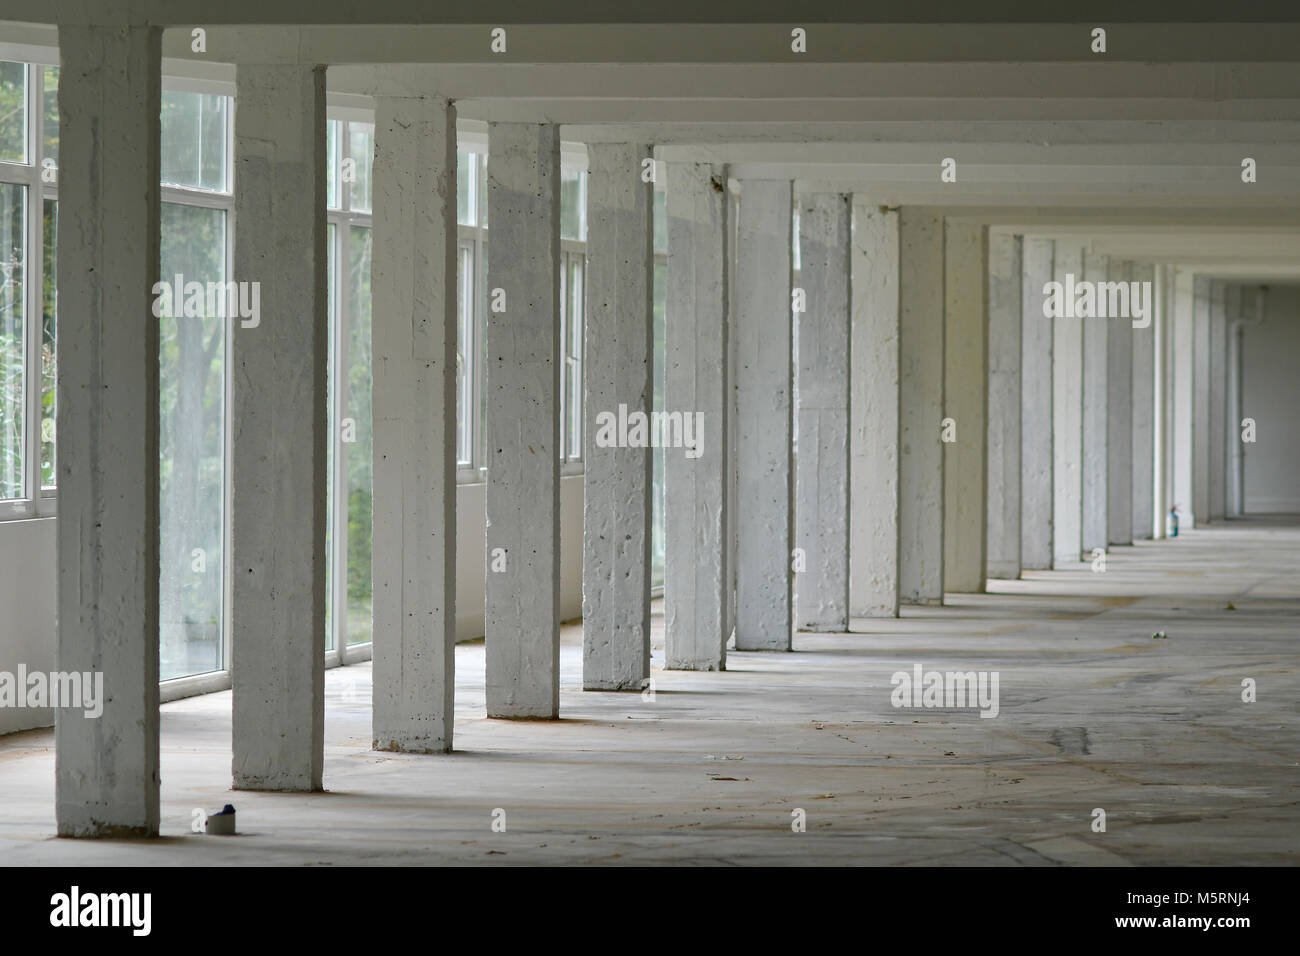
(945, 432)
(1114, 424)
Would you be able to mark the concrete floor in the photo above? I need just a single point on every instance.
(1094, 713)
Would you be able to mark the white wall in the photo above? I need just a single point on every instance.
(27, 586)
(1271, 387)
(27, 595)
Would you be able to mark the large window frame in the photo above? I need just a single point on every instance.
(472, 243)
(35, 501)
(344, 219)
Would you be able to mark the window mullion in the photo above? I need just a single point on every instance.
(33, 298)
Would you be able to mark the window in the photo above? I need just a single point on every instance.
(13, 341)
(197, 208)
(571, 331)
(191, 448)
(471, 304)
(350, 159)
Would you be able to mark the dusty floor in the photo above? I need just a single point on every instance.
(1094, 713)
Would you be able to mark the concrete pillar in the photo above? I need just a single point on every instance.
(1142, 440)
(696, 575)
(617, 372)
(822, 510)
(413, 336)
(1096, 334)
(1218, 397)
(521, 427)
(1162, 425)
(1067, 417)
(1201, 440)
(279, 432)
(1181, 398)
(920, 406)
(1119, 427)
(106, 768)
(965, 460)
(764, 416)
(1006, 316)
(874, 499)
(1035, 408)
(1233, 308)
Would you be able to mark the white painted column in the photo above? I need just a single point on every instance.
(1201, 439)
(1036, 420)
(1142, 439)
(106, 767)
(1119, 426)
(1181, 398)
(617, 373)
(1162, 428)
(521, 429)
(696, 576)
(874, 498)
(279, 431)
(822, 510)
(1067, 418)
(413, 337)
(1218, 397)
(920, 406)
(1096, 334)
(1233, 307)
(1006, 316)
(965, 461)
(764, 416)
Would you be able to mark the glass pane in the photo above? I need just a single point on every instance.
(361, 146)
(194, 140)
(13, 362)
(657, 488)
(13, 112)
(466, 174)
(661, 221)
(357, 453)
(464, 346)
(573, 207)
(50, 122)
(332, 299)
(331, 164)
(49, 382)
(50, 107)
(192, 469)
